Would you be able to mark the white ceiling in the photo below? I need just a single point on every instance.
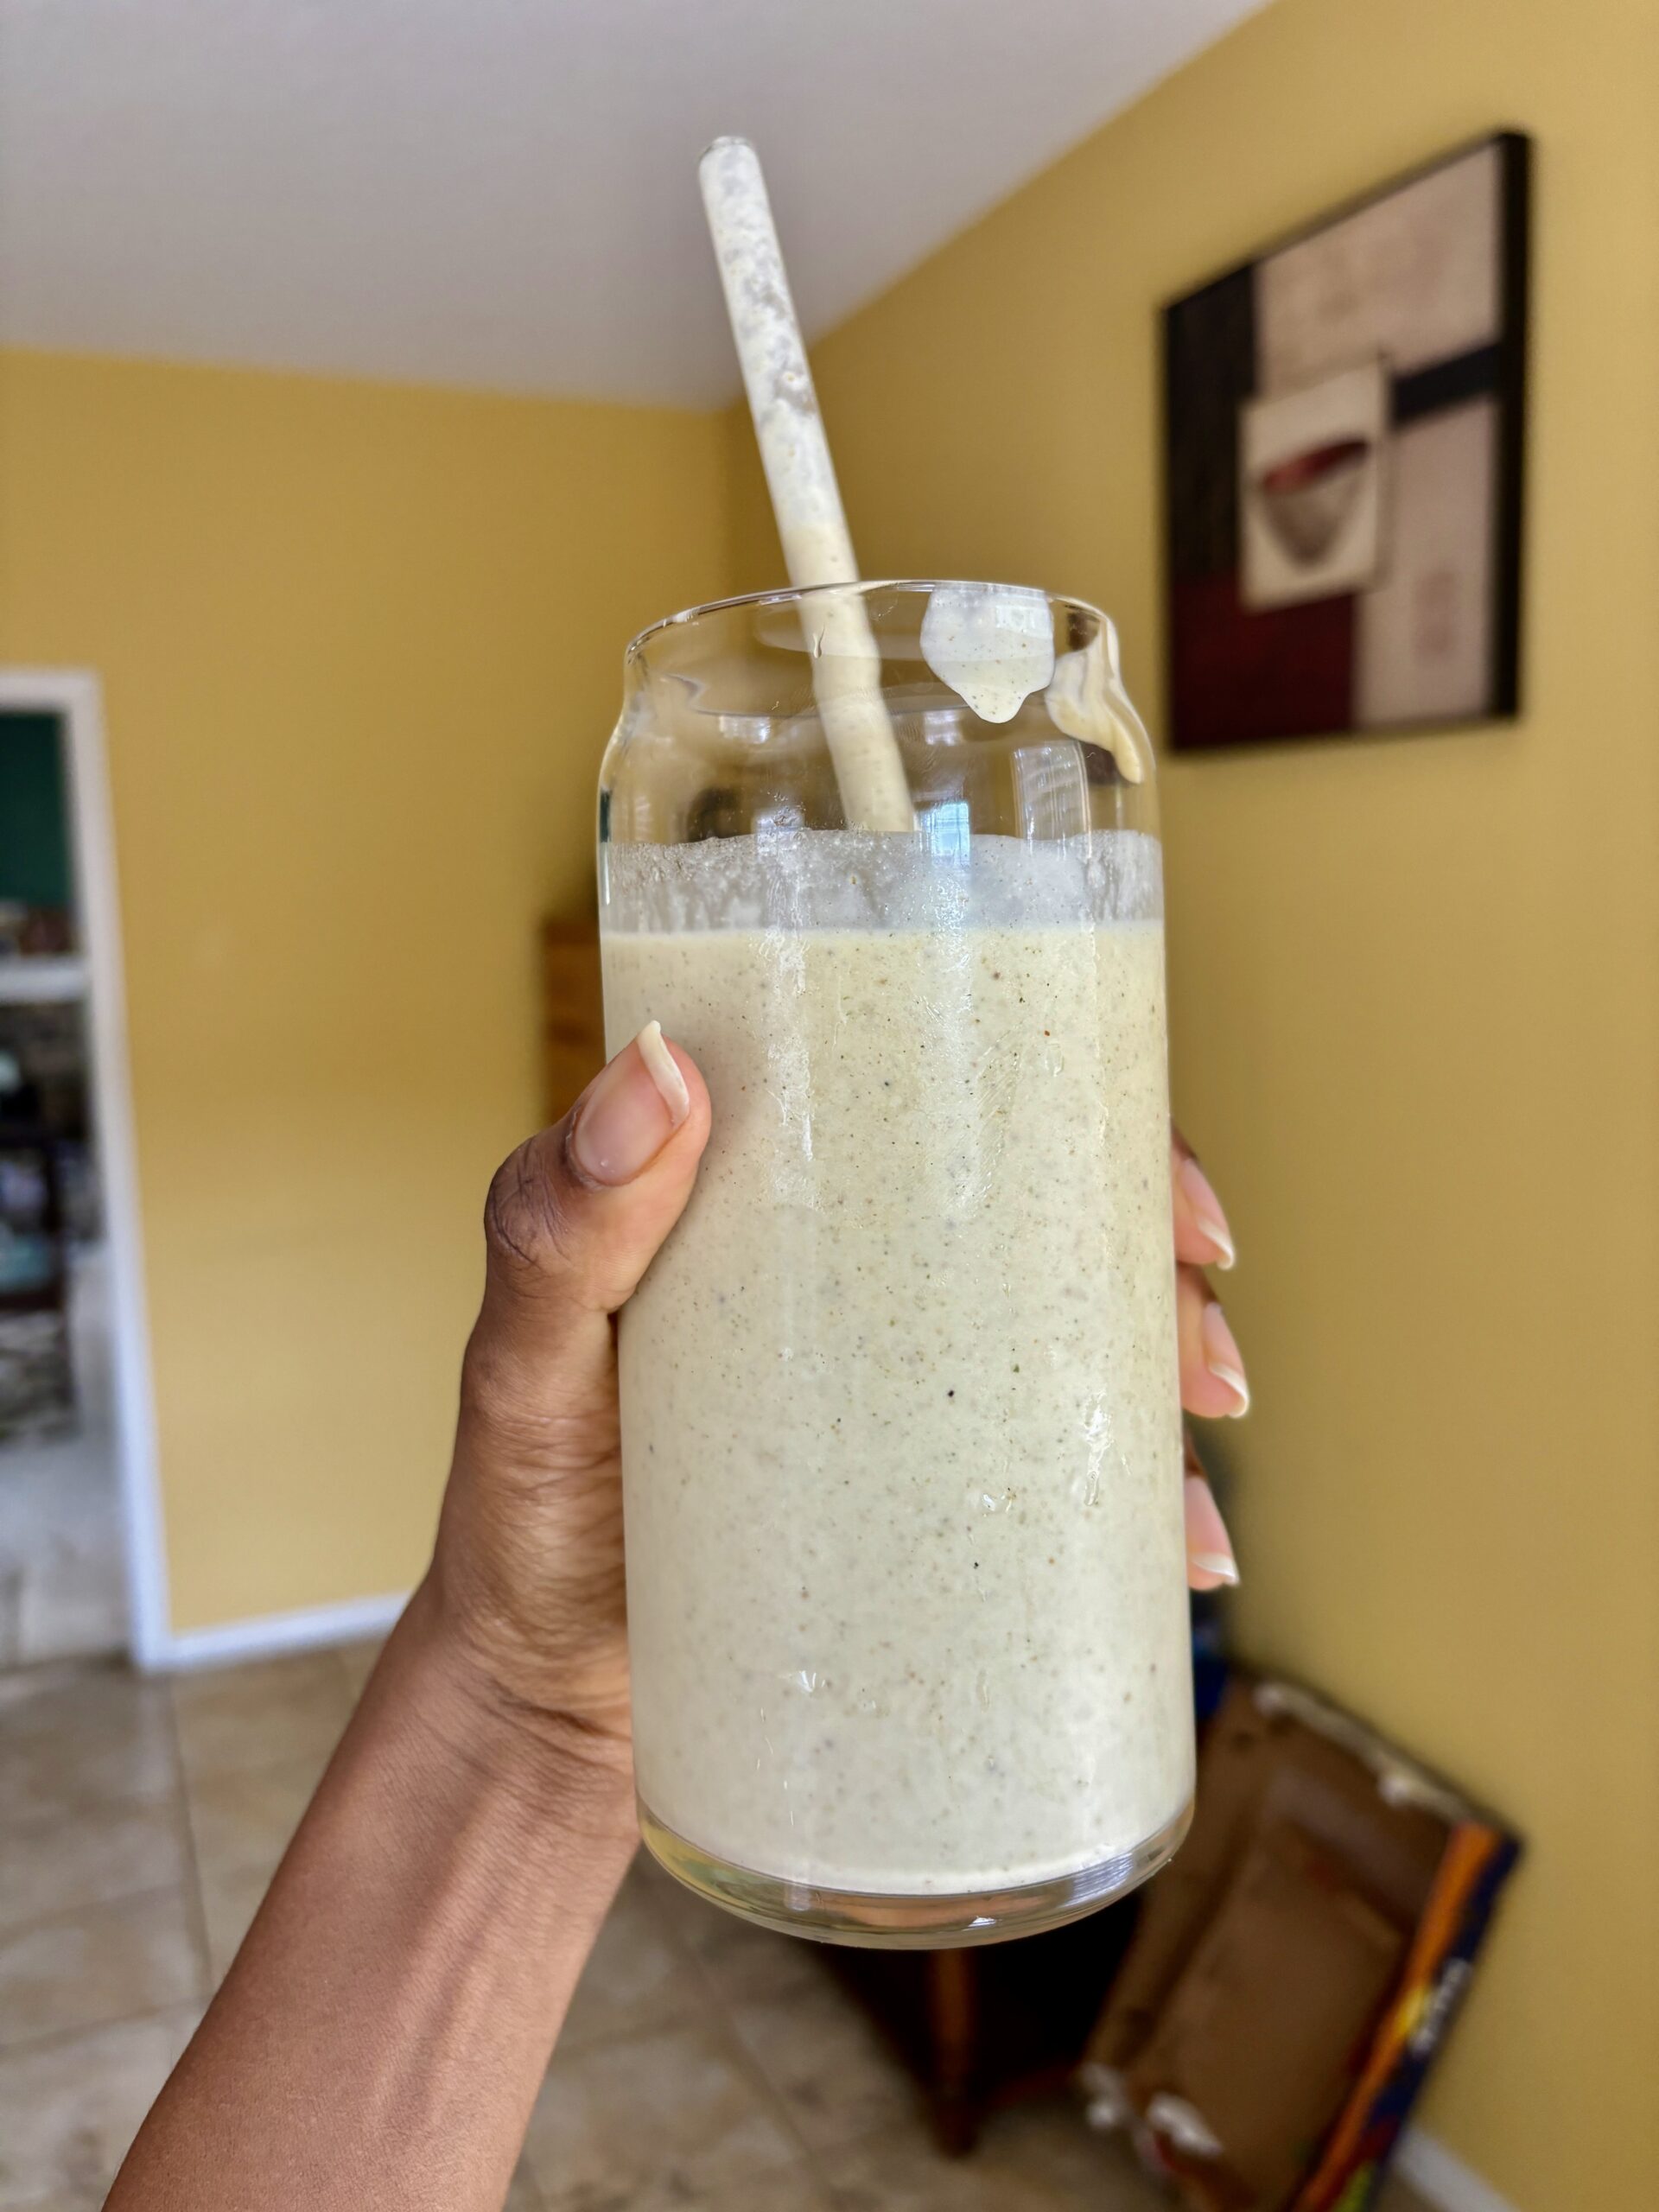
(501, 193)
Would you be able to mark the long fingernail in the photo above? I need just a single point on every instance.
(1208, 1548)
(664, 1072)
(633, 1108)
(1207, 1212)
(1222, 1358)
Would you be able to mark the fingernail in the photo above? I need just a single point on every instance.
(664, 1072)
(1207, 1212)
(1222, 1358)
(1208, 1548)
(634, 1107)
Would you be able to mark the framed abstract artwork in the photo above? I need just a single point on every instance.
(1343, 420)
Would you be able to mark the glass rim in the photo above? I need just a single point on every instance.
(786, 594)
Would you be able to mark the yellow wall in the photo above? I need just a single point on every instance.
(361, 646)
(1413, 980)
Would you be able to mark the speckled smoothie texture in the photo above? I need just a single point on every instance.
(901, 1440)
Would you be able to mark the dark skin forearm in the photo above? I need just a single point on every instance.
(381, 2038)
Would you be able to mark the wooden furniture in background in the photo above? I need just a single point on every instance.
(985, 2027)
(573, 1022)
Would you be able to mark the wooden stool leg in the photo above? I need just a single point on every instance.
(953, 2023)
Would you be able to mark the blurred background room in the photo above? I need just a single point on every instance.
(365, 386)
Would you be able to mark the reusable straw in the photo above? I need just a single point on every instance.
(801, 478)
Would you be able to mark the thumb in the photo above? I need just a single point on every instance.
(577, 1214)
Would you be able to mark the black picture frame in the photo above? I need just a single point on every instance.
(1241, 674)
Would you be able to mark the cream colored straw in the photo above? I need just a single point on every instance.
(801, 478)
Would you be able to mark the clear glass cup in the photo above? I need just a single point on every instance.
(900, 1427)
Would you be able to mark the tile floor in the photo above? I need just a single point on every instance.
(703, 2065)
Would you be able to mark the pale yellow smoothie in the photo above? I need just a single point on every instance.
(900, 1428)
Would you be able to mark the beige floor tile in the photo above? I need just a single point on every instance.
(645, 1878)
(792, 2189)
(243, 1819)
(826, 2062)
(902, 2170)
(86, 1736)
(70, 2108)
(281, 1710)
(59, 1863)
(111, 1962)
(1049, 2142)
(20, 1684)
(523, 2193)
(644, 1874)
(230, 1897)
(357, 1663)
(742, 1961)
(661, 2112)
(637, 1978)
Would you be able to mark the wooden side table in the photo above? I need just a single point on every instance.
(982, 2027)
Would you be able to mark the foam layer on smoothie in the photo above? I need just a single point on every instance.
(844, 879)
(901, 1433)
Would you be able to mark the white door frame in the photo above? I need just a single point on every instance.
(73, 696)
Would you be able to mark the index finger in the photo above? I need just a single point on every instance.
(1202, 1236)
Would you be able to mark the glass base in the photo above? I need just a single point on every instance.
(874, 1920)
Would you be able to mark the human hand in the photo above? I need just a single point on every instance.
(1212, 1373)
(528, 1572)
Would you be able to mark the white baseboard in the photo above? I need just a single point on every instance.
(1435, 2173)
(276, 1633)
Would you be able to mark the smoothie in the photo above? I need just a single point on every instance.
(900, 1429)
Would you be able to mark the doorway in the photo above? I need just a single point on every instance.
(79, 1552)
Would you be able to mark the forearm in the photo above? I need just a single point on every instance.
(380, 2039)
